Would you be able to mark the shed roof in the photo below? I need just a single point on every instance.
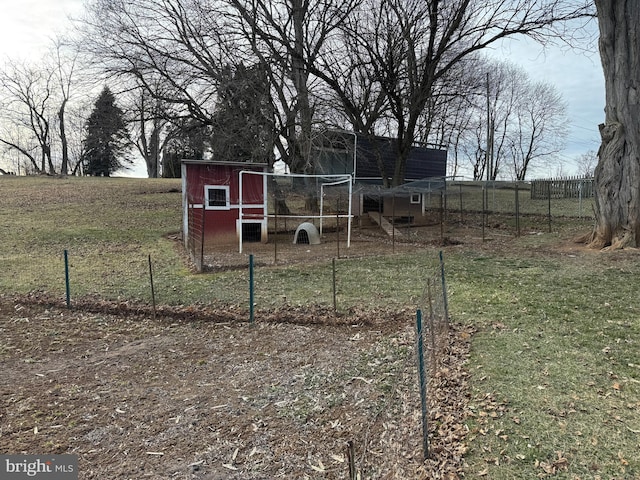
(201, 161)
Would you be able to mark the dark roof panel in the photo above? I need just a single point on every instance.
(335, 154)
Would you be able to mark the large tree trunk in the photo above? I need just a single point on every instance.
(153, 154)
(617, 176)
(299, 10)
(64, 143)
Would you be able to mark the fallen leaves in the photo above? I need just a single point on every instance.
(552, 468)
(449, 398)
(320, 468)
(623, 461)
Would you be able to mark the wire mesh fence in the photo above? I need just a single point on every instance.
(396, 220)
(336, 221)
(434, 310)
(139, 279)
(532, 202)
(90, 279)
(263, 207)
(432, 338)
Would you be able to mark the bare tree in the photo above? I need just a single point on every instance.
(383, 60)
(65, 66)
(28, 105)
(413, 44)
(539, 128)
(146, 122)
(36, 96)
(290, 37)
(586, 163)
(617, 175)
(517, 124)
(182, 45)
(75, 121)
(506, 88)
(447, 121)
(149, 122)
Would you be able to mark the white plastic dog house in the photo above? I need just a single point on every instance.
(307, 234)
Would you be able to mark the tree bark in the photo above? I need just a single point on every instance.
(617, 175)
(64, 143)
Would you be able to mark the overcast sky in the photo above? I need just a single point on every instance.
(27, 27)
(578, 76)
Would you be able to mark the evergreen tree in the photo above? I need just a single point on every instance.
(243, 124)
(106, 141)
(187, 141)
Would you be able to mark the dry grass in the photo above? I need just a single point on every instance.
(553, 372)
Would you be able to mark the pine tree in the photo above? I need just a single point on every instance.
(187, 140)
(243, 124)
(106, 141)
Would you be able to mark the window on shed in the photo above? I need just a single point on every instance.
(415, 198)
(217, 197)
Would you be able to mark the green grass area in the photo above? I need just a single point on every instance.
(555, 366)
(108, 226)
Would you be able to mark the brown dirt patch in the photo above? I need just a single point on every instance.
(189, 398)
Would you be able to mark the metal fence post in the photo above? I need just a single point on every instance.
(423, 393)
(484, 206)
(444, 290)
(461, 206)
(335, 302)
(251, 289)
(517, 210)
(153, 290)
(549, 192)
(66, 278)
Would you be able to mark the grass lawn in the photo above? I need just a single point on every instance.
(555, 365)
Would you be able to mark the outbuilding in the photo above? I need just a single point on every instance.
(371, 160)
(211, 202)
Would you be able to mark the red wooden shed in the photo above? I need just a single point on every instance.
(211, 202)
